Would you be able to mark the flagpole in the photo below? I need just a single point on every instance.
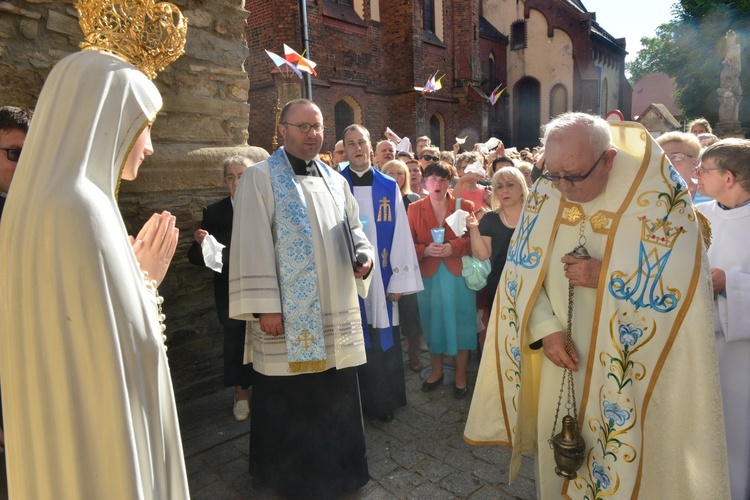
(307, 77)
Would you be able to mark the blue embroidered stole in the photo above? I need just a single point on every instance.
(298, 278)
(383, 189)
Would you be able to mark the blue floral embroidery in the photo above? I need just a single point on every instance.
(676, 177)
(516, 352)
(616, 415)
(513, 289)
(629, 334)
(601, 477)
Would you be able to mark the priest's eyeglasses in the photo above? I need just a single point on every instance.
(305, 127)
(12, 154)
(573, 178)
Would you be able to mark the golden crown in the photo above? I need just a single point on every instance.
(660, 231)
(147, 34)
(535, 201)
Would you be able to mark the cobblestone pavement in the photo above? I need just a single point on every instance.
(421, 454)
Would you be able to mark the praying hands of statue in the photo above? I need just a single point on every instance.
(582, 272)
(554, 349)
(155, 245)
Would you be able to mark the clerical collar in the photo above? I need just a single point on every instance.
(302, 167)
(361, 178)
(724, 207)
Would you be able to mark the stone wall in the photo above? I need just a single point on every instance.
(203, 120)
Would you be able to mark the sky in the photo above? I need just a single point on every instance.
(631, 19)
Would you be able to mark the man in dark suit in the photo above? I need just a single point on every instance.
(217, 222)
(14, 123)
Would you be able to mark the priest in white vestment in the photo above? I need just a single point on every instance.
(396, 272)
(643, 359)
(294, 273)
(724, 175)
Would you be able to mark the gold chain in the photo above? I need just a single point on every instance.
(567, 379)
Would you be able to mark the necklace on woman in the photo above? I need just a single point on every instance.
(505, 221)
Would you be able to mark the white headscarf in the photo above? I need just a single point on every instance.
(87, 394)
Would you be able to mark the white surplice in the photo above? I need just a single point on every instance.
(406, 277)
(728, 252)
(253, 270)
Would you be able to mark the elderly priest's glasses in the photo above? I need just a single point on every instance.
(573, 178)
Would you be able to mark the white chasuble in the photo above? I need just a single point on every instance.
(647, 381)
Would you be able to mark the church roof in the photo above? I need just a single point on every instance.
(487, 30)
(661, 111)
(654, 87)
(596, 28)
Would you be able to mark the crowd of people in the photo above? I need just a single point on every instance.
(605, 258)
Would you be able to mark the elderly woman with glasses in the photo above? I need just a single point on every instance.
(447, 306)
(682, 150)
(724, 175)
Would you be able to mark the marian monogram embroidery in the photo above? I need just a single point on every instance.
(644, 286)
(519, 251)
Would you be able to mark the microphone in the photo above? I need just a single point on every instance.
(361, 259)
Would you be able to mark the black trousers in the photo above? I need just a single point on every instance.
(236, 373)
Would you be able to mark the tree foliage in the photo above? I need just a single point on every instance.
(691, 48)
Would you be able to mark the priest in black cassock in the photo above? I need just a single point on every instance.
(294, 276)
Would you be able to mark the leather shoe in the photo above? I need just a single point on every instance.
(241, 409)
(386, 418)
(460, 393)
(429, 386)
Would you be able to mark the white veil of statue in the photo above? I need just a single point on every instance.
(87, 394)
